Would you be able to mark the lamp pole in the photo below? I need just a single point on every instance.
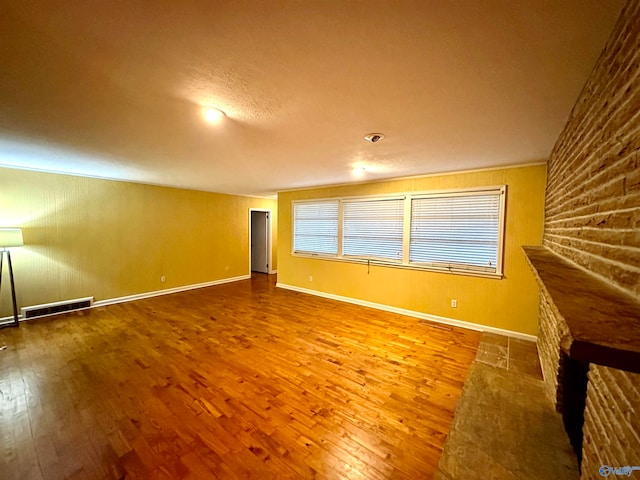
(10, 237)
(13, 289)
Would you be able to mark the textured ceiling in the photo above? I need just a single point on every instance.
(114, 89)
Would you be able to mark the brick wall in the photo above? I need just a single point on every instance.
(593, 188)
(611, 421)
(550, 331)
(593, 219)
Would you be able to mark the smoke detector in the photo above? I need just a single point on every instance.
(373, 137)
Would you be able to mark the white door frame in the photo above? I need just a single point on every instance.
(269, 252)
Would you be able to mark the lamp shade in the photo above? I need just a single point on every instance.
(11, 237)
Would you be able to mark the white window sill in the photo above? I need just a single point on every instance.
(392, 264)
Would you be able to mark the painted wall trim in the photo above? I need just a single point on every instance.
(267, 196)
(138, 296)
(168, 291)
(269, 237)
(414, 177)
(412, 313)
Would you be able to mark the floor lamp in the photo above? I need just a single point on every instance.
(10, 237)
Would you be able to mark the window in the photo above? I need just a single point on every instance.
(373, 228)
(456, 231)
(452, 231)
(315, 227)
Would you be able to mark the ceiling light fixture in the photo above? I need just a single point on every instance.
(374, 137)
(359, 171)
(214, 116)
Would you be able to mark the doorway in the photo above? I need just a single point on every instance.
(260, 240)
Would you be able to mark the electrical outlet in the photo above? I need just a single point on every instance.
(311, 278)
(163, 279)
(454, 303)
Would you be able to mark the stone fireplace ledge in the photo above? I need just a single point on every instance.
(603, 323)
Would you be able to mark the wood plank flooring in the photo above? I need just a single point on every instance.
(235, 381)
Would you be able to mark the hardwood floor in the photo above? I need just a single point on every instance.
(241, 380)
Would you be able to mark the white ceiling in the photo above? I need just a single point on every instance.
(114, 88)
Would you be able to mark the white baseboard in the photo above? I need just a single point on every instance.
(412, 313)
(139, 296)
(355, 301)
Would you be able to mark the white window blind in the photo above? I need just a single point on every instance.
(458, 231)
(373, 228)
(315, 227)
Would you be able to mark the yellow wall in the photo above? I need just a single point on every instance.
(109, 239)
(510, 303)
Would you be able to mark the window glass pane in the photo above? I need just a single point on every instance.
(373, 228)
(458, 231)
(315, 227)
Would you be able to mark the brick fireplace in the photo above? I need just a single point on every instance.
(585, 323)
(589, 267)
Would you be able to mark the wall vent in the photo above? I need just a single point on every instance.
(56, 307)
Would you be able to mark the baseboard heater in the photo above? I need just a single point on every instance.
(56, 307)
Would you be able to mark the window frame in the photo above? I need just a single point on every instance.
(341, 220)
(500, 190)
(293, 228)
(452, 265)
